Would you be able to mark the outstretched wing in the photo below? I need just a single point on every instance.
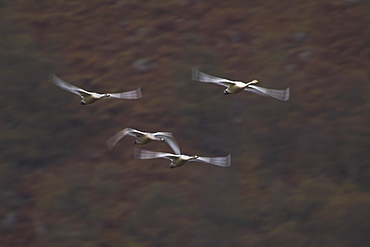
(134, 94)
(146, 154)
(275, 93)
(168, 137)
(112, 141)
(203, 77)
(68, 87)
(218, 161)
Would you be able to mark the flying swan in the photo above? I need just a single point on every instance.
(178, 160)
(91, 97)
(234, 87)
(144, 138)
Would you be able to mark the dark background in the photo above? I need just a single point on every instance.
(300, 169)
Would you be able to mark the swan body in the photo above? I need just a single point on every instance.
(91, 97)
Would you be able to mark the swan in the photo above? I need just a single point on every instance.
(178, 160)
(234, 87)
(91, 97)
(144, 138)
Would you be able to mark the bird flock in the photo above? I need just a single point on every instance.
(177, 159)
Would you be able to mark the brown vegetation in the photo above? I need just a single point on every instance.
(300, 169)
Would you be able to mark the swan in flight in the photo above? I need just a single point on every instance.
(91, 97)
(178, 160)
(144, 138)
(234, 87)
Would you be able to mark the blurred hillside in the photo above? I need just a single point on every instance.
(300, 169)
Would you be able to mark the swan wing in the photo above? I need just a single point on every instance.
(67, 86)
(203, 77)
(218, 161)
(134, 94)
(275, 93)
(146, 154)
(112, 141)
(168, 137)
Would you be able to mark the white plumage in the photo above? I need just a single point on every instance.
(178, 160)
(90, 97)
(144, 138)
(234, 87)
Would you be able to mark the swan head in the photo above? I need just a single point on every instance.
(252, 82)
(226, 91)
(194, 157)
(82, 102)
